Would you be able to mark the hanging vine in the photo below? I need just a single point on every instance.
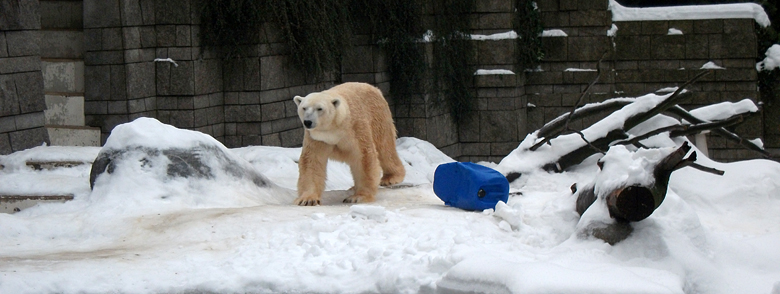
(529, 28)
(397, 28)
(452, 51)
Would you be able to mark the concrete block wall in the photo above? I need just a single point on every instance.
(22, 100)
(642, 58)
(648, 58)
(570, 62)
(247, 100)
(242, 101)
(499, 124)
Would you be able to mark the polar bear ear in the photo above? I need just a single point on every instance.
(298, 100)
(336, 102)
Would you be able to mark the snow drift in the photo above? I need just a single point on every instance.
(142, 230)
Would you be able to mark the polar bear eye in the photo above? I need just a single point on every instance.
(319, 109)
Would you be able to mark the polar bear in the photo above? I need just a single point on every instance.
(350, 123)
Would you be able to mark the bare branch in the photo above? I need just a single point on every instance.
(635, 140)
(698, 128)
(585, 92)
(724, 133)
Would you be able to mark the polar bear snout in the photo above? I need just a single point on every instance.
(308, 124)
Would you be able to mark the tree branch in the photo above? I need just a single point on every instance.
(724, 133)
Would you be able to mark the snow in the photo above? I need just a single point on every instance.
(716, 11)
(667, 90)
(513, 35)
(711, 65)
(757, 142)
(673, 31)
(167, 60)
(554, 33)
(712, 234)
(724, 110)
(612, 30)
(495, 37)
(772, 60)
(481, 72)
(579, 69)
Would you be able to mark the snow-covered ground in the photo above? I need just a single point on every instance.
(140, 231)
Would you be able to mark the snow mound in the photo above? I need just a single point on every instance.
(772, 60)
(149, 165)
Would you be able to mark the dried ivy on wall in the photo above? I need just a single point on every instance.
(227, 24)
(528, 26)
(397, 28)
(318, 33)
(452, 51)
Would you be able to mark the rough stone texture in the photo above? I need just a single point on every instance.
(247, 101)
(20, 15)
(21, 82)
(29, 138)
(101, 13)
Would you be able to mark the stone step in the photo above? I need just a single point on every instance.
(51, 165)
(63, 75)
(15, 203)
(62, 44)
(64, 110)
(73, 135)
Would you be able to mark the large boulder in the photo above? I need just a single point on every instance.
(154, 163)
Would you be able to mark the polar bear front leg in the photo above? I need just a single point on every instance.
(312, 171)
(366, 172)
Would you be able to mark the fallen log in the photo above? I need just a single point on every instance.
(635, 202)
(632, 201)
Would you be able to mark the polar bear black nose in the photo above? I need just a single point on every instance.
(307, 124)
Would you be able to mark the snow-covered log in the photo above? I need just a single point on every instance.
(636, 201)
(629, 189)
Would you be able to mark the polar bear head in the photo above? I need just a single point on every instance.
(318, 110)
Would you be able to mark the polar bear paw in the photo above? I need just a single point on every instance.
(359, 199)
(307, 200)
(388, 180)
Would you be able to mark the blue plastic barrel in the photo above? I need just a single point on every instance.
(469, 186)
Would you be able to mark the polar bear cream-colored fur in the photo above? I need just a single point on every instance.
(350, 123)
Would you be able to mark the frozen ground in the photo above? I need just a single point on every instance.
(142, 232)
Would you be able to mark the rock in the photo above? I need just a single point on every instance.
(201, 161)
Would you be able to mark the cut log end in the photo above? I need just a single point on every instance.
(633, 203)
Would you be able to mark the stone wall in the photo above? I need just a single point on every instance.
(643, 57)
(243, 101)
(648, 59)
(21, 83)
(248, 100)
